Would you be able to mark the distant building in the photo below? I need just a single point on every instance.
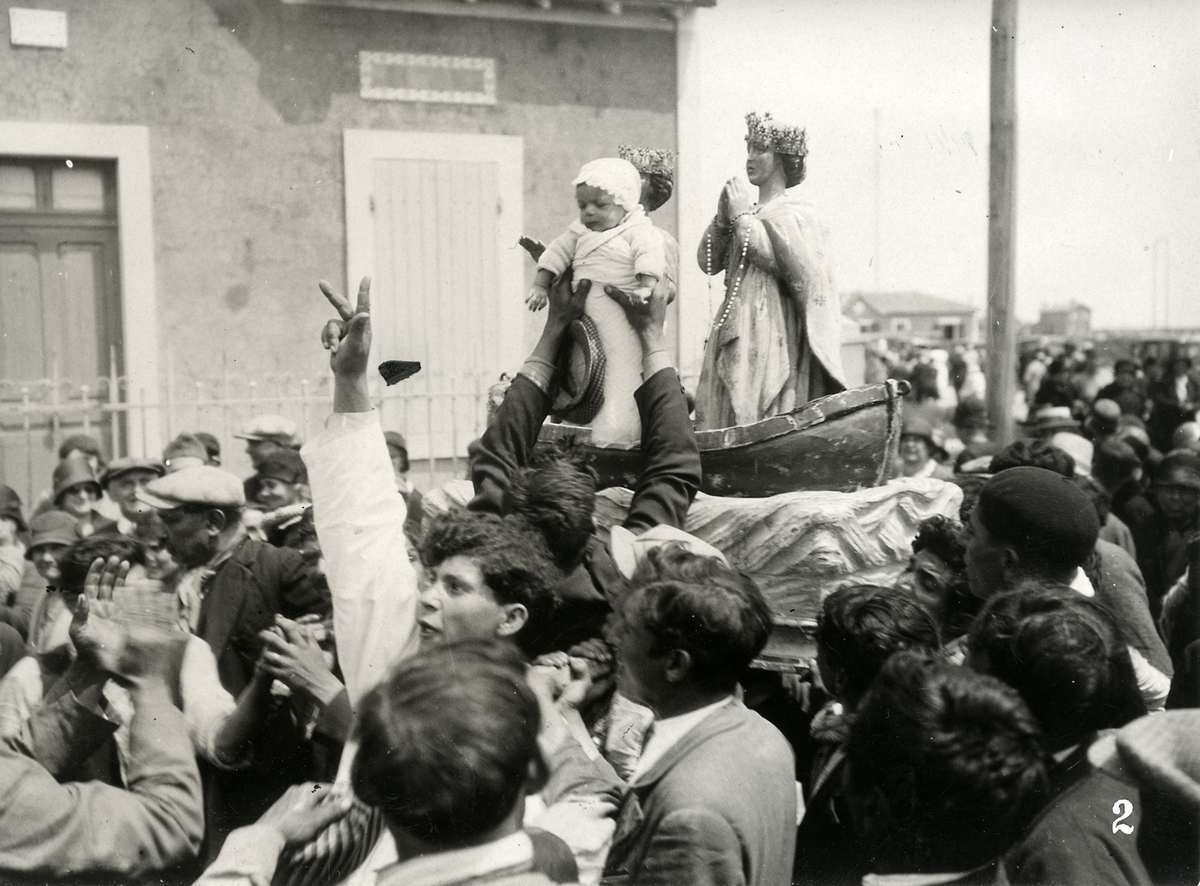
(912, 316)
(1073, 320)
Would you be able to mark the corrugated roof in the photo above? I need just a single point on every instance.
(891, 304)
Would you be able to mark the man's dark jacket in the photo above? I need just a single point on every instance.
(668, 483)
(243, 597)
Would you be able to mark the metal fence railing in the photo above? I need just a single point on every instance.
(439, 416)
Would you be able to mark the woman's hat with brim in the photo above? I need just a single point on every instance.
(581, 368)
(915, 426)
(72, 472)
(971, 414)
(1049, 419)
(52, 528)
(10, 506)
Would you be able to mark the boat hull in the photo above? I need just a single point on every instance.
(841, 442)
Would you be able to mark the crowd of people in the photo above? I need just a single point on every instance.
(302, 677)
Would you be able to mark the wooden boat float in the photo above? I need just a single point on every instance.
(842, 442)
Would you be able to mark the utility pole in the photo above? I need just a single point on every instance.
(877, 150)
(1002, 161)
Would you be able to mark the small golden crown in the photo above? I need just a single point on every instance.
(763, 130)
(649, 161)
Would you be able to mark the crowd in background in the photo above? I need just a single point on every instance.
(302, 677)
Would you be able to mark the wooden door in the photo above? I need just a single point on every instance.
(60, 321)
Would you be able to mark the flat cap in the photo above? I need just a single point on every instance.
(128, 465)
(395, 440)
(284, 465)
(201, 486)
(271, 427)
(1042, 513)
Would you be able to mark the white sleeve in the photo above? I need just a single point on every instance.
(1154, 685)
(561, 252)
(359, 517)
(206, 703)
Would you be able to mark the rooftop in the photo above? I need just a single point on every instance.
(612, 13)
(891, 304)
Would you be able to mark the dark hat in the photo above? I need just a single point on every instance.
(581, 368)
(128, 465)
(1117, 452)
(1183, 461)
(916, 426)
(71, 472)
(1049, 419)
(284, 465)
(52, 528)
(395, 440)
(10, 506)
(202, 486)
(211, 446)
(1043, 513)
(185, 451)
(81, 442)
(971, 414)
(1105, 417)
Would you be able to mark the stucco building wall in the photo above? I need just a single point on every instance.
(246, 102)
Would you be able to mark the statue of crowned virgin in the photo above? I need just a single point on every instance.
(775, 343)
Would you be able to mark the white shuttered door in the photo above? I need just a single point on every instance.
(434, 219)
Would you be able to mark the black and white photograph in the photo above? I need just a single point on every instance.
(600, 442)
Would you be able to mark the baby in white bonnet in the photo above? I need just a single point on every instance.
(613, 243)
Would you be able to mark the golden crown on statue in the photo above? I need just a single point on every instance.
(649, 161)
(762, 129)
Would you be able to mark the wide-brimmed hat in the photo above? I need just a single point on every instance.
(10, 506)
(276, 428)
(580, 376)
(915, 426)
(52, 528)
(72, 472)
(1049, 419)
(128, 465)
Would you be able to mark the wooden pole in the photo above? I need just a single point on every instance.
(1002, 326)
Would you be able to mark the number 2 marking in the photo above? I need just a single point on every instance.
(1122, 809)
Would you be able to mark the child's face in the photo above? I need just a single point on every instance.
(598, 211)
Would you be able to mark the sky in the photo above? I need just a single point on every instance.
(1108, 141)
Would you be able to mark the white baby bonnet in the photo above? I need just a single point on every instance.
(619, 177)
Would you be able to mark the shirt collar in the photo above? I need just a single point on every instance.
(668, 731)
(508, 855)
(1082, 584)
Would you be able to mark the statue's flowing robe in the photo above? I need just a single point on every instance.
(779, 344)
